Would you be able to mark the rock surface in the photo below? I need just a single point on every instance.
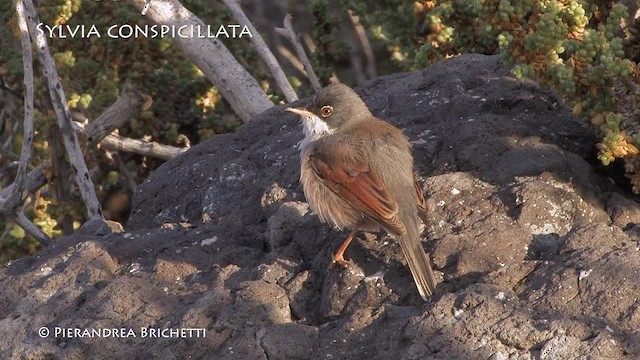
(537, 254)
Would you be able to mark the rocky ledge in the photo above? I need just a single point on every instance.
(537, 253)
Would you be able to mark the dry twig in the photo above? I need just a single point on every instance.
(32, 229)
(10, 205)
(27, 126)
(128, 105)
(366, 45)
(288, 33)
(263, 50)
(59, 102)
(114, 142)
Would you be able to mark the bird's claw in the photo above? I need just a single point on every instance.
(339, 259)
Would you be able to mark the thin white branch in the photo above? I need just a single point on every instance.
(35, 180)
(236, 85)
(263, 50)
(25, 156)
(8, 154)
(31, 229)
(361, 33)
(59, 102)
(113, 142)
(128, 105)
(288, 33)
(292, 59)
(140, 147)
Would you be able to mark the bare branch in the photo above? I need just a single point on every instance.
(288, 33)
(236, 85)
(37, 177)
(31, 229)
(25, 156)
(263, 50)
(35, 180)
(8, 154)
(59, 102)
(6, 171)
(153, 149)
(292, 59)
(113, 142)
(366, 45)
(307, 41)
(123, 170)
(128, 105)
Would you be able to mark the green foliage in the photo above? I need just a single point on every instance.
(392, 23)
(330, 48)
(577, 48)
(15, 243)
(323, 28)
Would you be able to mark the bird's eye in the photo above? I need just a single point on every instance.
(326, 111)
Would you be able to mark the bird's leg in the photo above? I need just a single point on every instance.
(339, 256)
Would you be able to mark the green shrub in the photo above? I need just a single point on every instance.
(578, 48)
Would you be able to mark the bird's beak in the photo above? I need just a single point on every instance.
(304, 113)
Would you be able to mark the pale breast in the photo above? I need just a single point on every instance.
(324, 202)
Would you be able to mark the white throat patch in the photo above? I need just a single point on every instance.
(314, 128)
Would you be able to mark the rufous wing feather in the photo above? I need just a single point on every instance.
(362, 188)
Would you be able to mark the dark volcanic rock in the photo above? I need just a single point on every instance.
(537, 255)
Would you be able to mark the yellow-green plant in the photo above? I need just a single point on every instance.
(575, 47)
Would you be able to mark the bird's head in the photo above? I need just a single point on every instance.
(333, 108)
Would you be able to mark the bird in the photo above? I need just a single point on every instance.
(357, 173)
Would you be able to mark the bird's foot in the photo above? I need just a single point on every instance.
(339, 259)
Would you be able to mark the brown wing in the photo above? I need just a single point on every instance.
(351, 178)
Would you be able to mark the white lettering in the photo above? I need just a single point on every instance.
(223, 30)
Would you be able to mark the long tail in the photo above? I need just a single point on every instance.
(417, 259)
